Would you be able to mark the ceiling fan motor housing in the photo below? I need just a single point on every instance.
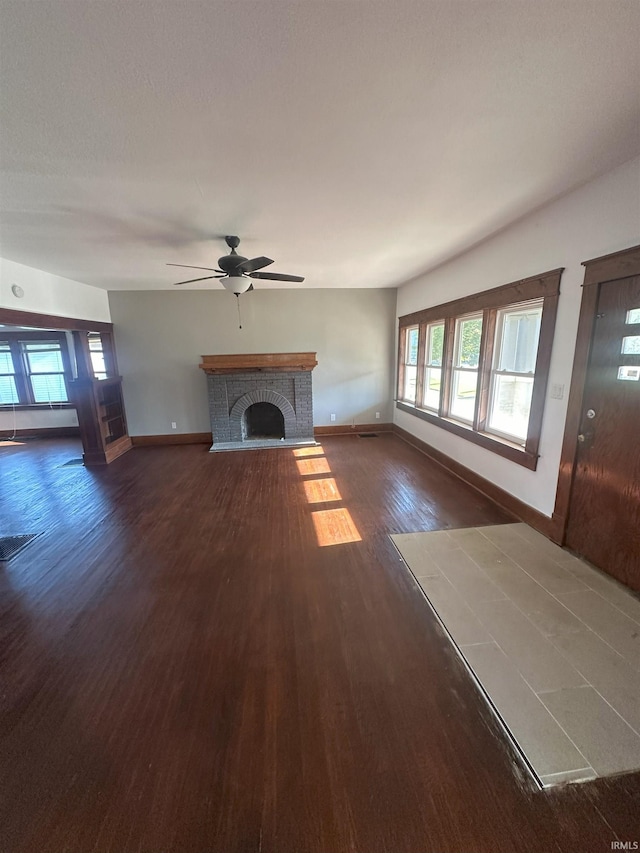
(229, 263)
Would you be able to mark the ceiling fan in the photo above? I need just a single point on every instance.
(235, 272)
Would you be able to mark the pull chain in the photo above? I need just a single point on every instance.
(239, 317)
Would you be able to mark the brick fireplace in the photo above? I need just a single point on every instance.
(260, 399)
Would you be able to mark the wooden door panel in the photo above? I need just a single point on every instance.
(604, 514)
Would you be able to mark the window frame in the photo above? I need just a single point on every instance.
(81, 354)
(457, 367)
(104, 351)
(22, 374)
(496, 373)
(545, 288)
(428, 365)
(13, 373)
(404, 363)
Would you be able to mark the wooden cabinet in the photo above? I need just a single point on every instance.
(101, 417)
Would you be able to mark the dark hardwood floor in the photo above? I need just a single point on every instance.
(183, 667)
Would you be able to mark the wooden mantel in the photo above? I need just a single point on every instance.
(266, 362)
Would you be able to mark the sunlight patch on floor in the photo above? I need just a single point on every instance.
(318, 465)
(332, 526)
(309, 451)
(322, 490)
(335, 527)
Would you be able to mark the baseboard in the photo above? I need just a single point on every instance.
(205, 437)
(112, 451)
(171, 438)
(43, 432)
(559, 524)
(348, 429)
(547, 526)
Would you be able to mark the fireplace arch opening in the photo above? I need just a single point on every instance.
(263, 420)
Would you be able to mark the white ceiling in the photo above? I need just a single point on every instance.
(357, 143)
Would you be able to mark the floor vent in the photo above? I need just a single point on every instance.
(73, 462)
(367, 435)
(10, 545)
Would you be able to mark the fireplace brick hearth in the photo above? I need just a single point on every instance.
(236, 382)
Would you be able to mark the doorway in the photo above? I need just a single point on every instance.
(91, 386)
(603, 519)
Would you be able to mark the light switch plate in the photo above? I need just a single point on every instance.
(557, 392)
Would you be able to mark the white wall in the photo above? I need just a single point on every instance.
(45, 293)
(26, 419)
(601, 217)
(161, 335)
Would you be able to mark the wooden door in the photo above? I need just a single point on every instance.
(604, 511)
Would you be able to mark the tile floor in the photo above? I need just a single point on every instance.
(554, 643)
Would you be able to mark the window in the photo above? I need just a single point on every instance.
(485, 365)
(44, 371)
(630, 346)
(433, 366)
(466, 361)
(96, 352)
(34, 368)
(515, 351)
(408, 379)
(629, 374)
(8, 388)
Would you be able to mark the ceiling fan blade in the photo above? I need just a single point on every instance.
(191, 280)
(189, 267)
(254, 264)
(276, 276)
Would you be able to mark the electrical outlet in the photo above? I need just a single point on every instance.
(377, 416)
(332, 416)
(174, 425)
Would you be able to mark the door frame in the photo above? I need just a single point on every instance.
(11, 317)
(77, 327)
(598, 272)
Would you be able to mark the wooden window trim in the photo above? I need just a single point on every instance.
(487, 346)
(546, 287)
(447, 364)
(402, 342)
(504, 448)
(541, 373)
(524, 290)
(422, 349)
